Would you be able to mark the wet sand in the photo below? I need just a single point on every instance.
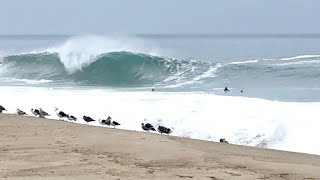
(34, 148)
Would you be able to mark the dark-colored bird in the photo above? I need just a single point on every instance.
(115, 123)
(165, 130)
(88, 119)
(71, 118)
(147, 127)
(61, 114)
(35, 112)
(223, 140)
(2, 109)
(20, 112)
(105, 122)
(226, 89)
(109, 122)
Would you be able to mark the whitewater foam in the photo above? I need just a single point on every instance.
(298, 63)
(25, 81)
(248, 121)
(210, 73)
(245, 62)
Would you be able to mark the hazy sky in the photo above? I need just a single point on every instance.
(159, 16)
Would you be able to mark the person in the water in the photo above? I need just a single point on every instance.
(226, 89)
(152, 90)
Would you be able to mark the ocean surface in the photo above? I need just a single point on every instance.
(112, 75)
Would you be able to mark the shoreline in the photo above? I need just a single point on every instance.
(40, 149)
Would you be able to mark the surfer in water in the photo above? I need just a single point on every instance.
(226, 89)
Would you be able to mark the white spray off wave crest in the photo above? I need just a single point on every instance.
(80, 51)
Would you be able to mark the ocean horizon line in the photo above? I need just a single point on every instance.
(179, 35)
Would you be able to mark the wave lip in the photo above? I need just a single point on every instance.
(80, 51)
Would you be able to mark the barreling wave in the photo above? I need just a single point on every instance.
(110, 69)
(128, 62)
(127, 69)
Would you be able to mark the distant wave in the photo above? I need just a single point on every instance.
(127, 69)
(127, 62)
(299, 63)
(300, 57)
(245, 62)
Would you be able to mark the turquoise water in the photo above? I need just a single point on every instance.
(284, 68)
(101, 76)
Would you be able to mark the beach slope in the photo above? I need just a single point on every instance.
(34, 148)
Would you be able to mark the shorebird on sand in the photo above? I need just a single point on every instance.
(42, 113)
(2, 109)
(20, 112)
(165, 130)
(35, 112)
(60, 114)
(147, 127)
(88, 119)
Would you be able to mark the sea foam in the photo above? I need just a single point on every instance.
(288, 126)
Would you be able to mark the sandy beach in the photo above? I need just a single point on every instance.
(34, 148)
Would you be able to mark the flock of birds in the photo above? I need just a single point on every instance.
(105, 122)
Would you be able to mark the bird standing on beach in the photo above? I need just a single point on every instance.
(115, 123)
(105, 122)
(60, 114)
(165, 130)
(147, 127)
(223, 140)
(2, 109)
(42, 113)
(35, 112)
(20, 112)
(71, 118)
(88, 119)
(109, 122)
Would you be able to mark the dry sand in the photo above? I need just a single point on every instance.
(34, 148)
